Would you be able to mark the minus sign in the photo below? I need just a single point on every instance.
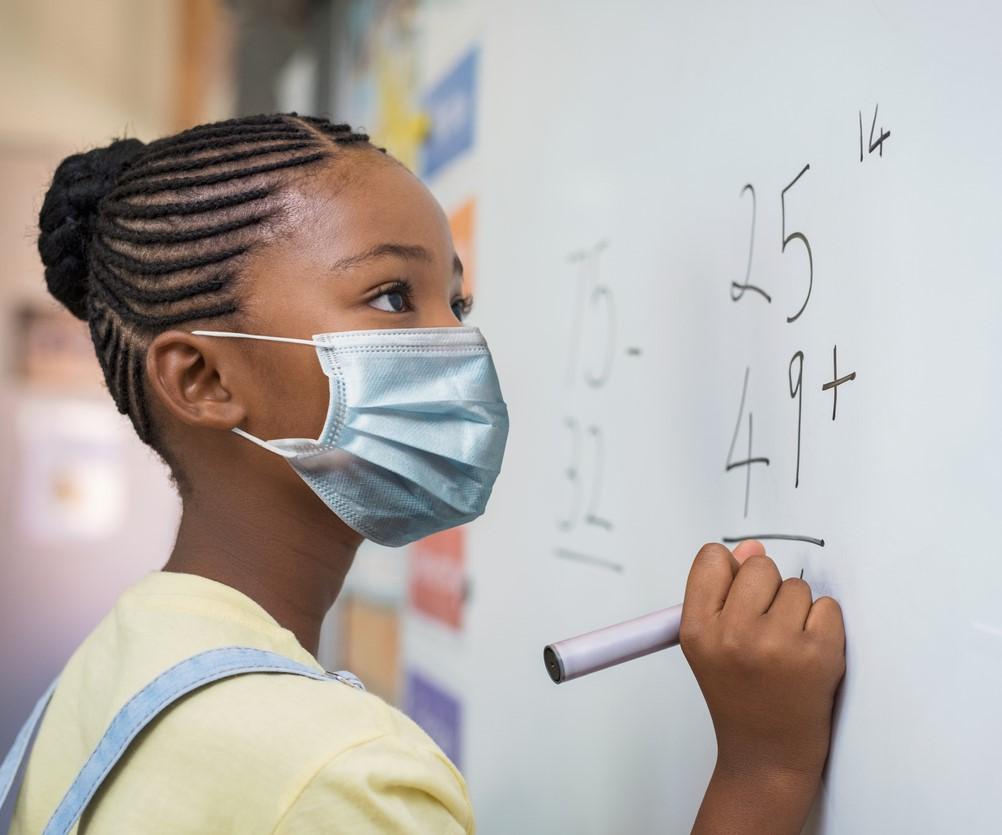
(578, 556)
(728, 540)
(633, 352)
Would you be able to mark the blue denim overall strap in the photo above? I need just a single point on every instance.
(11, 766)
(185, 676)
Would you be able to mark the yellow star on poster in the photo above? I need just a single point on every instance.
(402, 126)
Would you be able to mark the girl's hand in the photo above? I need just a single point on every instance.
(768, 660)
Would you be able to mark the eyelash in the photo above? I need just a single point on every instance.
(406, 291)
(401, 286)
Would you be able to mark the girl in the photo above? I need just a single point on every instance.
(277, 306)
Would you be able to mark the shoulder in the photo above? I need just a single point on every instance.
(288, 711)
(339, 753)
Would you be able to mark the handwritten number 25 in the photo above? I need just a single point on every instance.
(739, 289)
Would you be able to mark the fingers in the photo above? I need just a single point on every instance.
(754, 588)
(709, 582)
(792, 603)
(825, 622)
(748, 548)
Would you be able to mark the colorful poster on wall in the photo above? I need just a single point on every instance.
(437, 711)
(462, 223)
(378, 76)
(72, 481)
(52, 350)
(437, 577)
(370, 645)
(451, 107)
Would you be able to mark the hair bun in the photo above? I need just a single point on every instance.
(66, 220)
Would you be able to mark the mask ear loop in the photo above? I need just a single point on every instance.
(285, 453)
(312, 342)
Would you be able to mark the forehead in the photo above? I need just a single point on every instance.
(363, 199)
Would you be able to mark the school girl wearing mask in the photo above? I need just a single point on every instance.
(277, 306)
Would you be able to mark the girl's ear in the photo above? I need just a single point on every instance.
(191, 378)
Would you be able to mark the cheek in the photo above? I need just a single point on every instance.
(313, 400)
(294, 395)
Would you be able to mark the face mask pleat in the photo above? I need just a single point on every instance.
(394, 455)
(477, 411)
(382, 504)
(457, 436)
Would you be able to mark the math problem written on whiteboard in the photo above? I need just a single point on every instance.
(590, 363)
(584, 523)
(742, 455)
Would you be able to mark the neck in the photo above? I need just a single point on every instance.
(289, 553)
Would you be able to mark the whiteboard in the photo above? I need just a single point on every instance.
(637, 163)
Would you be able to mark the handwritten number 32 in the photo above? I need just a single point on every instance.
(573, 476)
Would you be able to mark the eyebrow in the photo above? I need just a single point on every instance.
(412, 252)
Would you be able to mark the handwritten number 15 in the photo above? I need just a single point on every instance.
(594, 299)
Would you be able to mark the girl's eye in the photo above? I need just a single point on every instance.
(392, 301)
(461, 308)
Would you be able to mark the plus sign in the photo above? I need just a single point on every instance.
(836, 381)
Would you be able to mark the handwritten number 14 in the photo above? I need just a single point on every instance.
(877, 145)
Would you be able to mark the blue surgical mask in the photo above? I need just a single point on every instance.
(415, 430)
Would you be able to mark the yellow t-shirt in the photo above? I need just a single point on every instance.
(259, 753)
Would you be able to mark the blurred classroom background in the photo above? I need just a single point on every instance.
(86, 508)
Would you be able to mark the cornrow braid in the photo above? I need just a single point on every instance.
(137, 238)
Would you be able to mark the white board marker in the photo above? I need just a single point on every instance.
(611, 645)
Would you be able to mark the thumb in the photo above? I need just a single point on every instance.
(748, 548)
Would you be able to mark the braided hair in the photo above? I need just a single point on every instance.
(137, 238)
